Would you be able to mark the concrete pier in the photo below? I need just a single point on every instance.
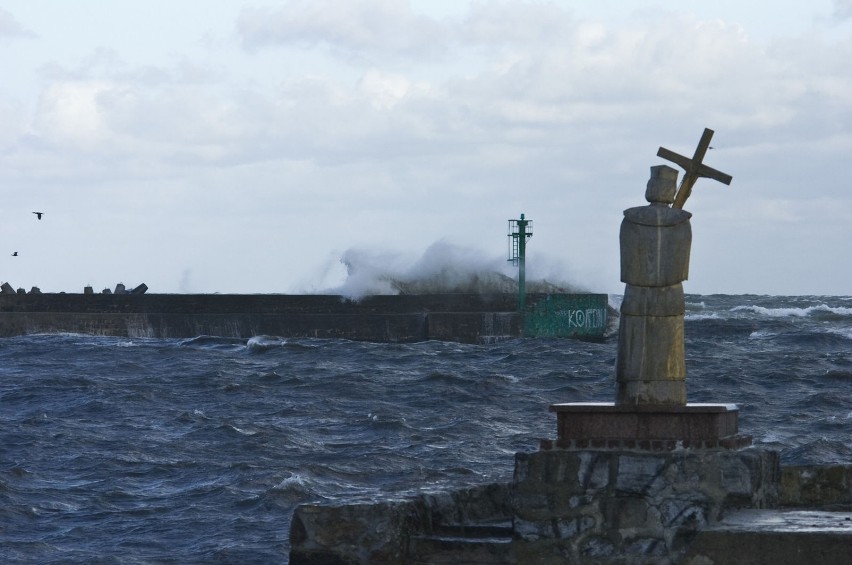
(467, 318)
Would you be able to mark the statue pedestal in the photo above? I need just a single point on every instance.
(599, 425)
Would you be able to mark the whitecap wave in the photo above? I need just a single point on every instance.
(794, 312)
(762, 334)
(703, 316)
(842, 332)
(772, 437)
(243, 431)
(261, 343)
(294, 480)
(506, 377)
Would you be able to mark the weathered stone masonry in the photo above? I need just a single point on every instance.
(635, 505)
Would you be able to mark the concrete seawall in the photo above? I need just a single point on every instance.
(469, 318)
(698, 507)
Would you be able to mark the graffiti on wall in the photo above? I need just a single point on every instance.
(567, 315)
(590, 318)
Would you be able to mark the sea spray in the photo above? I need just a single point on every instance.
(442, 269)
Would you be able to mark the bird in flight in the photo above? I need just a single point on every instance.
(15, 254)
(38, 214)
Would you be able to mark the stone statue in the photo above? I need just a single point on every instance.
(655, 241)
(655, 244)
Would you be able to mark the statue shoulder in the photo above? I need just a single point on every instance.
(656, 215)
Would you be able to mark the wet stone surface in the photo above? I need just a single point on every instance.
(786, 521)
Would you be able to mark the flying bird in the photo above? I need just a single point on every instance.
(38, 214)
(15, 254)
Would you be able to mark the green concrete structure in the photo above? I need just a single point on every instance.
(567, 315)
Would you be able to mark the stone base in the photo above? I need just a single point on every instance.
(607, 425)
(594, 506)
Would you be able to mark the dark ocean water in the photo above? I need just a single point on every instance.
(195, 451)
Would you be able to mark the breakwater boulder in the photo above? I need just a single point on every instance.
(426, 528)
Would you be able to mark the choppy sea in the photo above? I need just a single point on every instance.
(194, 451)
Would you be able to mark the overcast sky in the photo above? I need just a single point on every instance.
(227, 146)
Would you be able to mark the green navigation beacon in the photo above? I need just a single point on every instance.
(519, 232)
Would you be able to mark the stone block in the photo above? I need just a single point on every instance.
(650, 348)
(567, 529)
(598, 547)
(530, 530)
(653, 301)
(774, 536)
(594, 421)
(817, 486)
(738, 477)
(552, 469)
(594, 471)
(356, 533)
(626, 512)
(646, 550)
(653, 253)
(684, 512)
(640, 474)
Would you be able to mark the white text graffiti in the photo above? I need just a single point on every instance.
(589, 318)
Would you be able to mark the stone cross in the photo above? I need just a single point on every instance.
(693, 168)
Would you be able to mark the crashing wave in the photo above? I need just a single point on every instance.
(443, 269)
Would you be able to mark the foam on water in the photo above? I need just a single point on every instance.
(703, 316)
(762, 334)
(797, 312)
(842, 332)
(261, 343)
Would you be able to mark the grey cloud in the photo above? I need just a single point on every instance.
(500, 23)
(352, 27)
(843, 9)
(10, 27)
(106, 64)
(390, 27)
(607, 84)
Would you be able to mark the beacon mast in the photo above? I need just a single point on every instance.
(519, 232)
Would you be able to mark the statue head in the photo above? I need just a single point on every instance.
(662, 185)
